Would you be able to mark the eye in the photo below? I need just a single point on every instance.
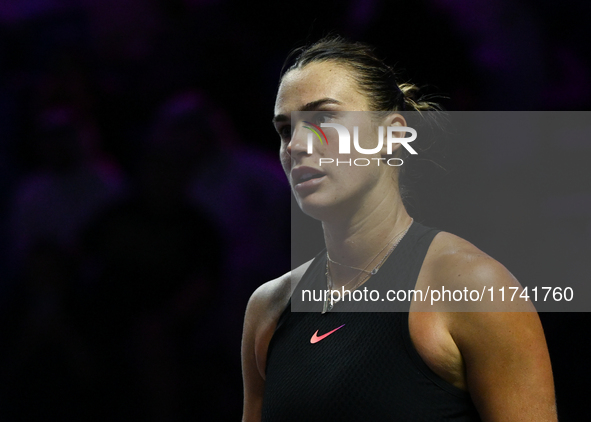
(284, 132)
(324, 117)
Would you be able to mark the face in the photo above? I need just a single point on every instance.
(327, 90)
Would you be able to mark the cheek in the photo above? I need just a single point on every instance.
(369, 138)
(285, 159)
(332, 138)
(364, 173)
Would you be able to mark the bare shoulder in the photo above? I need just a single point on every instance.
(451, 253)
(270, 299)
(264, 308)
(262, 313)
(455, 263)
(502, 354)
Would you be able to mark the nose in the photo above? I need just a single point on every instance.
(298, 145)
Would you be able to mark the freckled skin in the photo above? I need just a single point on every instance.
(347, 186)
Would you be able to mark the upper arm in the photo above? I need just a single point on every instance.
(262, 313)
(254, 384)
(508, 370)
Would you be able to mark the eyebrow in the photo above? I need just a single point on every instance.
(311, 106)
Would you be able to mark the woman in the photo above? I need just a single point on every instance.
(407, 366)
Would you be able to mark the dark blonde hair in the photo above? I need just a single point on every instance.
(377, 80)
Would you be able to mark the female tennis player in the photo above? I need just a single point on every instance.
(414, 365)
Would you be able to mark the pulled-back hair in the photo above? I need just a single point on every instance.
(377, 80)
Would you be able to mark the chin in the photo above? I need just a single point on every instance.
(318, 208)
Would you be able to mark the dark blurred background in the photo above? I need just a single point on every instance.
(142, 201)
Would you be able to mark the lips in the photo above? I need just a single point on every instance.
(304, 174)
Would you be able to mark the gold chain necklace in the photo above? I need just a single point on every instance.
(328, 302)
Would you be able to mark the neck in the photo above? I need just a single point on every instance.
(363, 240)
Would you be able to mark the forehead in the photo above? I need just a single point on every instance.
(316, 81)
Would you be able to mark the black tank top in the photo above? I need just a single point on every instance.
(366, 370)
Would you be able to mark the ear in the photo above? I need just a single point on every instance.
(394, 119)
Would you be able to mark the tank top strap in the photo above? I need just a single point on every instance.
(402, 269)
(399, 271)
